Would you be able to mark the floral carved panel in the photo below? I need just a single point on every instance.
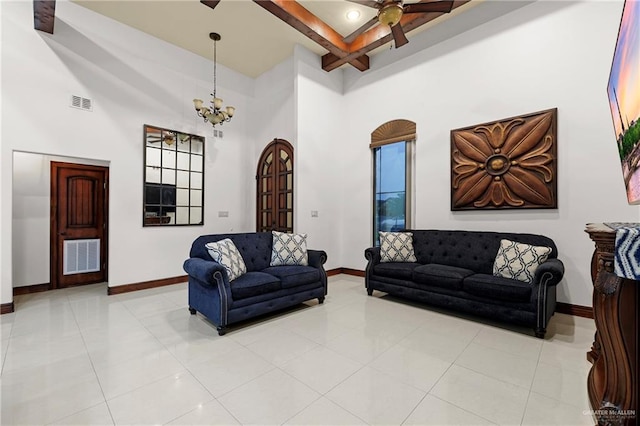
(505, 164)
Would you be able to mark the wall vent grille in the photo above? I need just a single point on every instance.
(81, 256)
(81, 103)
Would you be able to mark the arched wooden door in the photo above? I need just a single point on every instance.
(274, 177)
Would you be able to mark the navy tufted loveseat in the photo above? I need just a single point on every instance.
(454, 269)
(262, 289)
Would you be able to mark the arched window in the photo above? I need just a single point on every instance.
(274, 193)
(392, 148)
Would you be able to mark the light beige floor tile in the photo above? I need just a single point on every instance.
(433, 411)
(447, 324)
(510, 341)
(96, 415)
(281, 347)
(57, 323)
(98, 313)
(46, 393)
(568, 386)
(324, 412)
(102, 353)
(566, 357)
(544, 411)
(159, 402)
(321, 369)
(177, 325)
(143, 341)
(123, 377)
(28, 351)
(412, 367)
(489, 398)
(270, 399)
(248, 334)
(210, 413)
(376, 397)
(570, 331)
(444, 347)
(201, 350)
(230, 371)
(149, 305)
(316, 326)
(500, 365)
(362, 346)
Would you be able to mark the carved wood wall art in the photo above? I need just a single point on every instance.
(505, 164)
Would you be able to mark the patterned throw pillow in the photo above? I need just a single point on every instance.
(396, 247)
(226, 253)
(519, 261)
(289, 249)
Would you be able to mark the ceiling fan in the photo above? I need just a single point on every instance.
(156, 135)
(390, 13)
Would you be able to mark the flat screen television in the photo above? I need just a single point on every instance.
(624, 97)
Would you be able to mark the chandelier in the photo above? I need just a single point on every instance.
(214, 114)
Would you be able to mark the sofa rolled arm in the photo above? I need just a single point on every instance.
(550, 272)
(372, 254)
(204, 270)
(317, 258)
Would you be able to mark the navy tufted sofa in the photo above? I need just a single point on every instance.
(454, 269)
(261, 290)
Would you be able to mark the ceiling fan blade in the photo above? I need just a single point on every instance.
(365, 27)
(432, 6)
(211, 3)
(369, 3)
(399, 37)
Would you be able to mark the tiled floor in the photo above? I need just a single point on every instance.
(78, 356)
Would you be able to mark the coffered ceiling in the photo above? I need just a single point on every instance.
(254, 39)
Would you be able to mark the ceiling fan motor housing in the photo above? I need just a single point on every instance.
(390, 14)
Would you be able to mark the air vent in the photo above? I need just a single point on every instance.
(81, 103)
(217, 133)
(81, 256)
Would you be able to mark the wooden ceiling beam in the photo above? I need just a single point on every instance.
(44, 15)
(294, 14)
(379, 35)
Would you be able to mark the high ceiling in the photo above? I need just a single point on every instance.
(253, 39)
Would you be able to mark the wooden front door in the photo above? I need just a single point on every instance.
(79, 205)
(275, 188)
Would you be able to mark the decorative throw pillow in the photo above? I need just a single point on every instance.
(519, 261)
(289, 249)
(396, 247)
(226, 253)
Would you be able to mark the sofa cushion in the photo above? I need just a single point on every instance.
(254, 284)
(289, 249)
(499, 288)
(225, 253)
(441, 275)
(294, 276)
(400, 270)
(396, 247)
(519, 261)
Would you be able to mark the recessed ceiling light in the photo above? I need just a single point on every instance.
(353, 15)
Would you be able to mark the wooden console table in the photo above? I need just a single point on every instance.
(613, 379)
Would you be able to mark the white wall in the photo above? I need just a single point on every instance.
(319, 164)
(543, 55)
(132, 79)
(272, 112)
